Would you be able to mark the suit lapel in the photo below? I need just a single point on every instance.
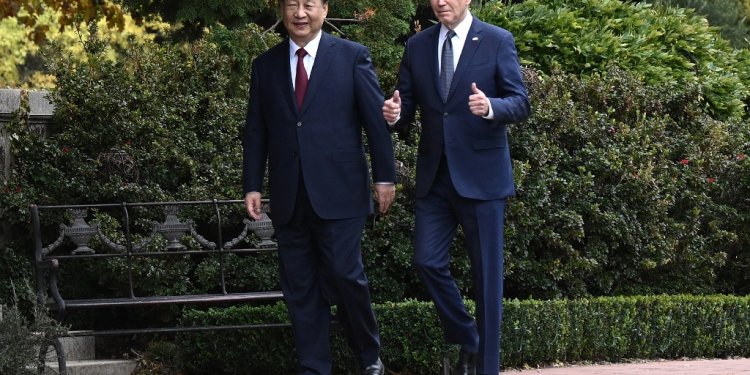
(323, 62)
(284, 74)
(471, 45)
(435, 66)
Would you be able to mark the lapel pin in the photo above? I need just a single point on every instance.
(476, 38)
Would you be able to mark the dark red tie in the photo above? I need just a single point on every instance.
(300, 83)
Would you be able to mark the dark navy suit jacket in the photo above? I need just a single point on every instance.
(476, 149)
(323, 140)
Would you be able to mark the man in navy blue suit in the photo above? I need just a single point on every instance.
(311, 97)
(465, 78)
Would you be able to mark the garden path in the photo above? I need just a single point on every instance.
(740, 366)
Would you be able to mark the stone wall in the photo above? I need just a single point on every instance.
(40, 112)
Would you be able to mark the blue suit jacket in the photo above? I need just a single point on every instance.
(476, 149)
(321, 141)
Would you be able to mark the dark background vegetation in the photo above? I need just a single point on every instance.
(632, 176)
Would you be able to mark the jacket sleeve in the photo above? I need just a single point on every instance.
(254, 138)
(370, 104)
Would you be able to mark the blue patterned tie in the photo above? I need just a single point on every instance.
(446, 65)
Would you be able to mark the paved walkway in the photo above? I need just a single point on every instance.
(671, 367)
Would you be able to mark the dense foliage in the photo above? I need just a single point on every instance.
(631, 173)
(535, 333)
(622, 175)
(145, 127)
(664, 46)
(624, 189)
(730, 15)
(22, 334)
(27, 28)
(160, 123)
(194, 16)
(70, 13)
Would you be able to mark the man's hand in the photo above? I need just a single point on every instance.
(478, 102)
(392, 108)
(384, 194)
(252, 204)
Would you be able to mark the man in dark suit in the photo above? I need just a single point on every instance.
(311, 96)
(468, 87)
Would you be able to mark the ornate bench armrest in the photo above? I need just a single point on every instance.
(51, 266)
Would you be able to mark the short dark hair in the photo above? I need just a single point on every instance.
(321, 1)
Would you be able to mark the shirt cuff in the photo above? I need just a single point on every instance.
(394, 122)
(491, 113)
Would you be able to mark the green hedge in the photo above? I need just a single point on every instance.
(535, 333)
(664, 46)
(410, 335)
(624, 188)
(617, 328)
(729, 15)
(626, 184)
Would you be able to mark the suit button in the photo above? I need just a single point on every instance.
(299, 124)
(294, 154)
(445, 114)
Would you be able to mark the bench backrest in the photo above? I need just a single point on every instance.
(129, 233)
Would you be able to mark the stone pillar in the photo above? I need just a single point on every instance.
(10, 101)
(40, 112)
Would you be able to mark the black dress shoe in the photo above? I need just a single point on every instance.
(467, 364)
(376, 368)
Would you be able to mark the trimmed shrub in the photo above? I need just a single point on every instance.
(411, 339)
(622, 189)
(613, 329)
(535, 333)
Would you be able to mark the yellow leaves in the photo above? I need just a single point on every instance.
(64, 22)
(12, 48)
(69, 13)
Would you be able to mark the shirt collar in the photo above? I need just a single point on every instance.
(311, 48)
(462, 30)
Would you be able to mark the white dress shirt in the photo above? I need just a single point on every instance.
(312, 50)
(458, 41)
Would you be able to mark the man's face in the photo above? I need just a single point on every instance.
(450, 12)
(303, 19)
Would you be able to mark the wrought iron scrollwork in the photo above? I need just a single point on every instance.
(172, 229)
(201, 240)
(233, 242)
(111, 244)
(46, 250)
